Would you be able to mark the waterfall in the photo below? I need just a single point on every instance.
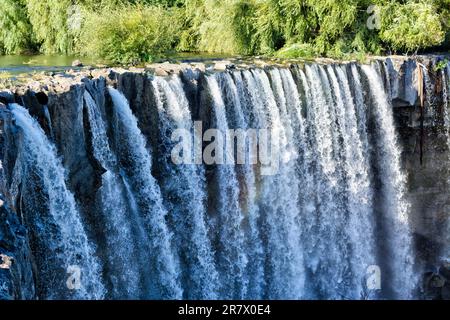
(231, 259)
(238, 111)
(279, 197)
(186, 207)
(358, 185)
(329, 215)
(445, 252)
(135, 159)
(310, 202)
(123, 274)
(51, 212)
(393, 183)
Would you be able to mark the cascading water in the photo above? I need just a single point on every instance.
(135, 159)
(186, 205)
(328, 236)
(51, 213)
(231, 259)
(236, 100)
(124, 275)
(279, 200)
(445, 252)
(325, 207)
(394, 203)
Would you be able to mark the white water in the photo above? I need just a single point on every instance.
(310, 230)
(279, 204)
(61, 232)
(231, 259)
(394, 183)
(120, 249)
(234, 92)
(161, 264)
(187, 211)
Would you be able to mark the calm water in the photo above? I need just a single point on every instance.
(20, 64)
(27, 64)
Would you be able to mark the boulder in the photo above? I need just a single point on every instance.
(222, 65)
(77, 63)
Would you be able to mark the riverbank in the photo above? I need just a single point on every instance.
(16, 71)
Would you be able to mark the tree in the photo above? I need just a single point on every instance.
(412, 26)
(49, 21)
(15, 29)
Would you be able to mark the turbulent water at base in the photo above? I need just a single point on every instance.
(318, 222)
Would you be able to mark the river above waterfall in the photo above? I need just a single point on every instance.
(20, 64)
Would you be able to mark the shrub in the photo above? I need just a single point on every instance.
(131, 31)
(411, 26)
(129, 34)
(297, 50)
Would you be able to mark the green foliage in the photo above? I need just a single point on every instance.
(15, 29)
(216, 31)
(129, 31)
(242, 16)
(129, 34)
(412, 26)
(297, 50)
(49, 21)
(441, 65)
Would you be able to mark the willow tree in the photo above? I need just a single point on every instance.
(15, 29)
(49, 20)
(221, 26)
(412, 26)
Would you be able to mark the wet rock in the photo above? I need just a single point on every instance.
(199, 66)
(222, 65)
(190, 79)
(167, 68)
(16, 267)
(161, 72)
(77, 63)
(70, 135)
(138, 89)
(403, 80)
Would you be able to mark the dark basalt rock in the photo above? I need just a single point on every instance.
(16, 266)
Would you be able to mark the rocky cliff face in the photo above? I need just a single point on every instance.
(16, 259)
(419, 94)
